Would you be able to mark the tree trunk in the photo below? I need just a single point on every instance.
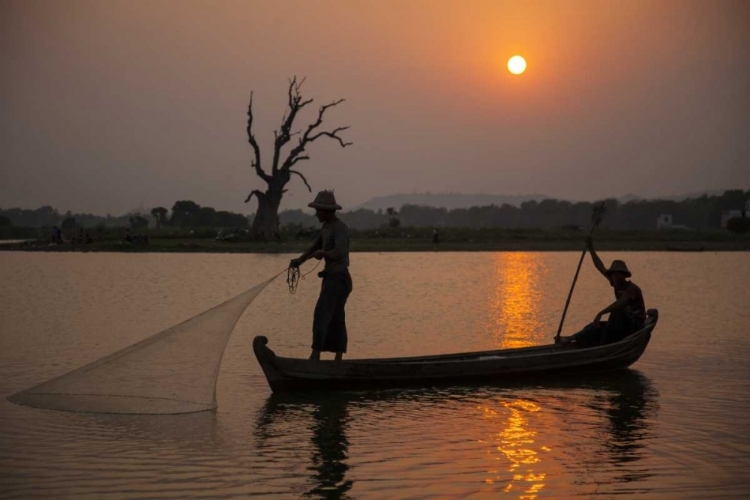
(266, 223)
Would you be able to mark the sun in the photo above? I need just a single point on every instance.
(516, 65)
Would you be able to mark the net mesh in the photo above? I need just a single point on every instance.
(173, 371)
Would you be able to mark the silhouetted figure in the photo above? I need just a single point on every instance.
(435, 237)
(627, 314)
(56, 235)
(328, 458)
(330, 450)
(632, 404)
(89, 241)
(332, 245)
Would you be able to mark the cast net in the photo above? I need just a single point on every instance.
(173, 371)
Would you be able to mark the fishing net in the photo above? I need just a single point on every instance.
(173, 371)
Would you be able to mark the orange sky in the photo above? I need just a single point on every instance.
(109, 105)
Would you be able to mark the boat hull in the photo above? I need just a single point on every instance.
(511, 365)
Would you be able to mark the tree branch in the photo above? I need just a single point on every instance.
(299, 158)
(303, 179)
(257, 193)
(308, 138)
(254, 143)
(333, 136)
(295, 103)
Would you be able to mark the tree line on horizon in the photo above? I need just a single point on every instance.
(184, 214)
(702, 213)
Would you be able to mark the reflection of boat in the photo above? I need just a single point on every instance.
(288, 374)
(515, 425)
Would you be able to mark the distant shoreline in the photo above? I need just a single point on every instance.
(205, 245)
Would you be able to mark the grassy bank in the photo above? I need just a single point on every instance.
(464, 240)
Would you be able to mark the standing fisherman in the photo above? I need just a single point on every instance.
(332, 245)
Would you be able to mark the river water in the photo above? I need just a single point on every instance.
(676, 425)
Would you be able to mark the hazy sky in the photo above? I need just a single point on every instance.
(109, 105)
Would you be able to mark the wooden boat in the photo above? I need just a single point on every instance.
(291, 374)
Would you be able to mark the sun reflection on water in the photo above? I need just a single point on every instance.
(516, 443)
(514, 306)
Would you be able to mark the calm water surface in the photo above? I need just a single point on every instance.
(677, 425)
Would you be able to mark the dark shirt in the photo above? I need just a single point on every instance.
(636, 306)
(333, 237)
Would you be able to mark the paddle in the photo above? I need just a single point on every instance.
(594, 222)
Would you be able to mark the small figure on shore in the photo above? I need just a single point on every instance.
(435, 237)
(332, 245)
(56, 235)
(627, 314)
(88, 241)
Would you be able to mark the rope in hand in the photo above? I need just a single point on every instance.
(293, 276)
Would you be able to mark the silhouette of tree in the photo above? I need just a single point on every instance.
(266, 223)
(184, 213)
(160, 214)
(187, 213)
(393, 220)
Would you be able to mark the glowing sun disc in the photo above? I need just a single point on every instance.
(516, 65)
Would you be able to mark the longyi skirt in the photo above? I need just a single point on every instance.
(329, 320)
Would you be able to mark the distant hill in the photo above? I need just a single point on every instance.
(676, 197)
(452, 201)
(446, 200)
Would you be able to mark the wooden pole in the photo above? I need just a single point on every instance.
(594, 223)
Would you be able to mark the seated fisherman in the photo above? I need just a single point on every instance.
(627, 313)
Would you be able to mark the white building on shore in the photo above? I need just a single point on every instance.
(664, 221)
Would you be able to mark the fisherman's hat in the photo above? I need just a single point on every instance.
(619, 266)
(325, 201)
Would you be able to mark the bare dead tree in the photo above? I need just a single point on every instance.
(266, 223)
